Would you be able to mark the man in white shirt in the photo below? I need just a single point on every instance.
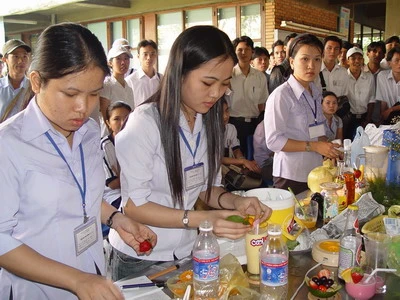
(335, 76)
(390, 43)
(249, 92)
(146, 80)
(124, 43)
(388, 86)
(15, 90)
(360, 92)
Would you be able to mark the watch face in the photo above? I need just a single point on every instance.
(185, 221)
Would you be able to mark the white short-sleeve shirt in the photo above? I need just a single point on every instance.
(335, 80)
(144, 177)
(387, 89)
(360, 92)
(41, 203)
(142, 85)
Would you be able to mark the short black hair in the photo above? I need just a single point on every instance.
(115, 105)
(379, 44)
(392, 52)
(289, 37)
(277, 43)
(243, 39)
(145, 43)
(305, 39)
(328, 93)
(393, 38)
(333, 38)
(346, 45)
(258, 51)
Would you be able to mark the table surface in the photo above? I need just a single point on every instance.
(299, 264)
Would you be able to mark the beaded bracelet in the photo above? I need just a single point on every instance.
(219, 199)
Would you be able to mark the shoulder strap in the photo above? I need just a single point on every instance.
(11, 105)
(323, 83)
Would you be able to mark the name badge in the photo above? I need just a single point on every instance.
(316, 130)
(85, 236)
(194, 176)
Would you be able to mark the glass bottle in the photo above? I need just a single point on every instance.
(339, 178)
(331, 200)
(350, 241)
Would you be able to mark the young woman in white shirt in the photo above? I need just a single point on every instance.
(170, 152)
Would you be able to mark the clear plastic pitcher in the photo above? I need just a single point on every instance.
(376, 162)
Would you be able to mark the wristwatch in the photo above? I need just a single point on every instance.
(308, 147)
(185, 219)
(110, 219)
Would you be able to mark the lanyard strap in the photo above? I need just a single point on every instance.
(187, 143)
(314, 111)
(82, 189)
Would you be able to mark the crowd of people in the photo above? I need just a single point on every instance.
(88, 142)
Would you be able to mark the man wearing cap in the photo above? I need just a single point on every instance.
(146, 80)
(15, 90)
(360, 92)
(115, 87)
(124, 43)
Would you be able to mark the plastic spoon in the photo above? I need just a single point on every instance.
(379, 270)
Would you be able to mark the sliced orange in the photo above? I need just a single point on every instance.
(186, 276)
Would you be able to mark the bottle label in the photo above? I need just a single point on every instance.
(274, 274)
(206, 269)
(346, 258)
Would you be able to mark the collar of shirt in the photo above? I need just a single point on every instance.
(142, 74)
(362, 75)
(298, 89)
(323, 67)
(5, 82)
(198, 124)
(237, 71)
(36, 124)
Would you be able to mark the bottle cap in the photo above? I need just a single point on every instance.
(206, 226)
(274, 229)
(352, 207)
(347, 144)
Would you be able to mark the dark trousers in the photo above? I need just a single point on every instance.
(244, 128)
(284, 184)
(355, 121)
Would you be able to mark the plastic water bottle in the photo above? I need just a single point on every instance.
(274, 263)
(206, 263)
(350, 241)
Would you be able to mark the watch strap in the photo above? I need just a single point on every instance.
(308, 146)
(185, 219)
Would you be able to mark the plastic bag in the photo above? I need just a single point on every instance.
(376, 134)
(361, 140)
(234, 281)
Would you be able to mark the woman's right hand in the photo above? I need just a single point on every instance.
(95, 287)
(327, 149)
(225, 228)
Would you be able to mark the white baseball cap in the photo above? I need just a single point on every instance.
(115, 51)
(121, 43)
(352, 51)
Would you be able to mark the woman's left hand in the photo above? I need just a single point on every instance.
(134, 233)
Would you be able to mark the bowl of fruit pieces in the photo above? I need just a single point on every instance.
(322, 285)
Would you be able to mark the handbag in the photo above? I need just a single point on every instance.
(237, 178)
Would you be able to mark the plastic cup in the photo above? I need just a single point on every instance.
(307, 211)
(376, 253)
(254, 242)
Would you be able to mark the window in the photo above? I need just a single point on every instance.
(100, 30)
(169, 26)
(195, 17)
(364, 35)
(227, 21)
(133, 37)
(116, 31)
(250, 21)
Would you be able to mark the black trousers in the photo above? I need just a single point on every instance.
(244, 128)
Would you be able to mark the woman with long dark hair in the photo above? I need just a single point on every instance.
(170, 153)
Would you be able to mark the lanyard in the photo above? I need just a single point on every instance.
(82, 190)
(314, 111)
(187, 143)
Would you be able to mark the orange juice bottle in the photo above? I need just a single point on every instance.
(342, 198)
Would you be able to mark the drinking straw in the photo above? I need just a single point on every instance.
(187, 292)
(298, 202)
(379, 270)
